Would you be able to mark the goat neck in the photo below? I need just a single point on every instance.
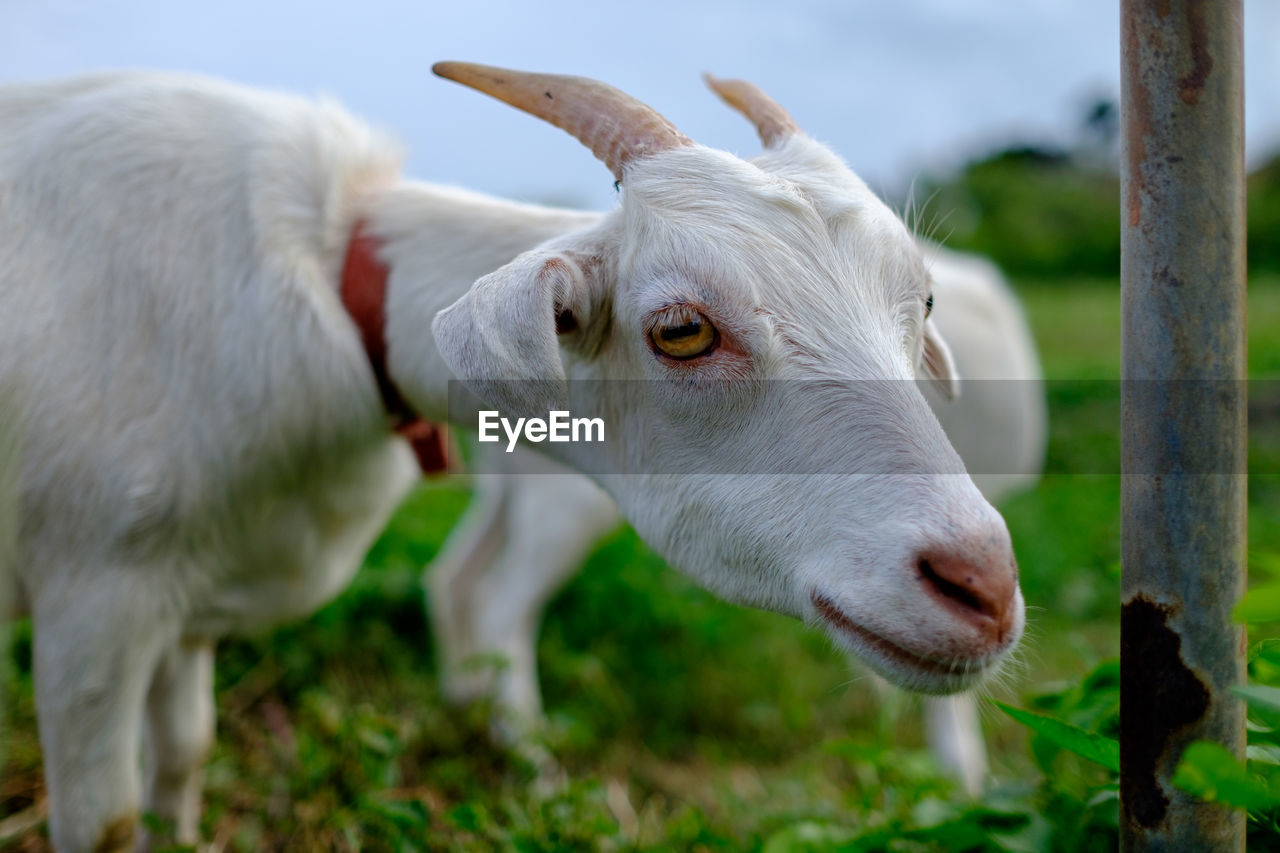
(436, 242)
(364, 295)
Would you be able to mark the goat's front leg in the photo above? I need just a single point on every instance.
(180, 732)
(450, 585)
(93, 658)
(529, 527)
(552, 522)
(955, 738)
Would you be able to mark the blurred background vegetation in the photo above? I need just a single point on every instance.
(683, 723)
(1048, 210)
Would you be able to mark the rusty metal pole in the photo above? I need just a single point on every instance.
(1182, 412)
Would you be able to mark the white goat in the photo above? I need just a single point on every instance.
(527, 530)
(206, 448)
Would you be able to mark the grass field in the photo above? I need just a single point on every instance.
(680, 722)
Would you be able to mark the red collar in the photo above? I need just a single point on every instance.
(364, 295)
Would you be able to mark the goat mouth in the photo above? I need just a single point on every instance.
(950, 670)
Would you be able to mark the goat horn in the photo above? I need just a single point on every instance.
(615, 126)
(773, 123)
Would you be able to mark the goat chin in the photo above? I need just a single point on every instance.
(936, 672)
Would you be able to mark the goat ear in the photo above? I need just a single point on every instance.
(937, 364)
(501, 339)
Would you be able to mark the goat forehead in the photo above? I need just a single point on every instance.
(706, 193)
(859, 221)
(698, 207)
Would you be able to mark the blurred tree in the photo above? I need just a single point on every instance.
(1046, 211)
(1102, 123)
(1263, 228)
(1036, 210)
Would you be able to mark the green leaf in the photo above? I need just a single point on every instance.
(1263, 753)
(1260, 604)
(1264, 563)
(405, 814)
(807, 837)
(1267, 649)
(1260, 696)
(1095, 747)
(973, 829)
(1212, 773)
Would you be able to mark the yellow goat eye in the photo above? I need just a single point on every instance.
(681, 332)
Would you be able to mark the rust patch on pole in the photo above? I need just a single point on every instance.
(1153, 718)
(1191, 84)
(1137, 118)
(1182, 411)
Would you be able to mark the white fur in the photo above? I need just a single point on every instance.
(531, 523)
(205, 450)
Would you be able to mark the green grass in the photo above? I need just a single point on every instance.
(1077, 326)
(681, 722)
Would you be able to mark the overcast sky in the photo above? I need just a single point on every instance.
(898, 88)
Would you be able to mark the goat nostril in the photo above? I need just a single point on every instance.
(982, 597)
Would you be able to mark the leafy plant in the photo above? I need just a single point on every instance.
(1213, 773)
(1097, 748)
(1074, 741)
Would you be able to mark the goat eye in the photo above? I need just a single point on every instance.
(681, 332)
(928, 305)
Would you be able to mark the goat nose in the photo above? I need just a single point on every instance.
(984, 595)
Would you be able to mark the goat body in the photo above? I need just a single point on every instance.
(205, 451)
(204, 446)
